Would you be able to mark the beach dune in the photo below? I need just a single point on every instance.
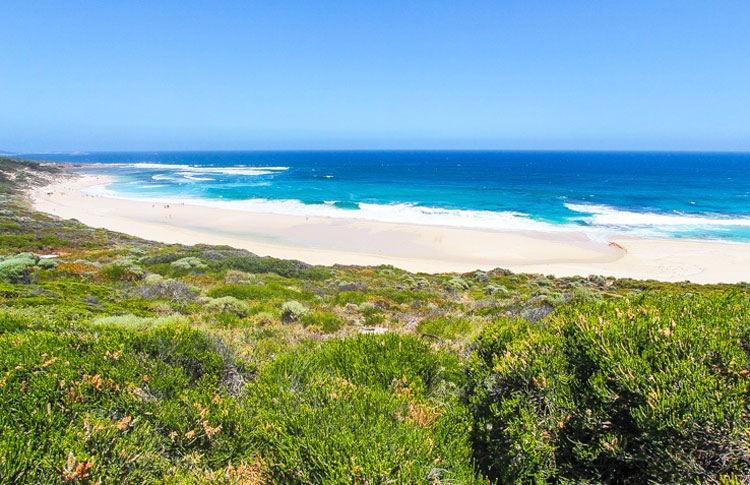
(416, 248)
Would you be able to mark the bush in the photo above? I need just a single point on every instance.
(234, 277)
(292, 311)
(367, 308)
(496, 289)
(113, 406)
(263, 319)
(163, 258)
(585, 295)
(448, 327)
(48, 263)
(188, 263)
(544, 282)
(371, 313)
(457, 283)
(344, 297)
(123, 270)
(651, 391)
(370, 409)
(555, 299)
(12, 323)
(282, 267)
(153, 279)
(31, 256)
(155, 286)
(327, 322)
(405, 296)
(137, 323)
(263, 292)
(16, 269)
(228, 304)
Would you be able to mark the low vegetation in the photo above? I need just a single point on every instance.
(124, 360)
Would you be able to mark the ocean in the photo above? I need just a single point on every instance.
(660, 194)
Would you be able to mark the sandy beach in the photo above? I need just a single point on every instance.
(417, 248)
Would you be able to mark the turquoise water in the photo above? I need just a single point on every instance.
(681, 195)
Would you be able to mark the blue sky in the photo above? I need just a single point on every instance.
(107, 75)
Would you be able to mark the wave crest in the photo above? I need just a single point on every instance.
(604, 215)
(233, 170)
(391, 213)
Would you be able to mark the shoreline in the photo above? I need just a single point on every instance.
(415, 248)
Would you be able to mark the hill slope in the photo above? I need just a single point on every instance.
(128, 360)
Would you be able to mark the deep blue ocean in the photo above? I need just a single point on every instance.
(681, 195)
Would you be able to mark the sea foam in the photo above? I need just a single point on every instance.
(603, 215)
(235, 170)
(389, 213)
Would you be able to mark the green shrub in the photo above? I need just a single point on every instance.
(447, 327)
(585, 295)
(12, 323)
(597, 279)
(85, 262)
(153, 279)
(265, 291)
(48, 263)
(16, 269)
(228, 304)
(138, 251)
(344, 297)
(156, 286)
(480, 276)
(367, 308)
(188, 263)
(370, 409)
(496, 289)
(553, 298)
(544, 282)
(328, 322)
(374, 319)
(115, 406)
(282, 267)
(405, 296)
(234, 277)
(163, 258)
(647, 391)
(457, 283)
(263, 319)
(123, 270)
(32, 256)
(373, 316)
(292, 311)
(137, 323)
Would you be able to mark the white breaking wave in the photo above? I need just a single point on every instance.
(190, 176)
(181, 173)
(103, 190)
(603, 215)
(391, 213)
(163, 177)
(234, 170)
(601, 220)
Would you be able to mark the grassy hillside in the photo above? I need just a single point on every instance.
(124, 360)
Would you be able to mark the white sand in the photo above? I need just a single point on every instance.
(417, 248)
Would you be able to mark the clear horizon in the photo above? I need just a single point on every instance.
(194, 76)
(281, 150)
